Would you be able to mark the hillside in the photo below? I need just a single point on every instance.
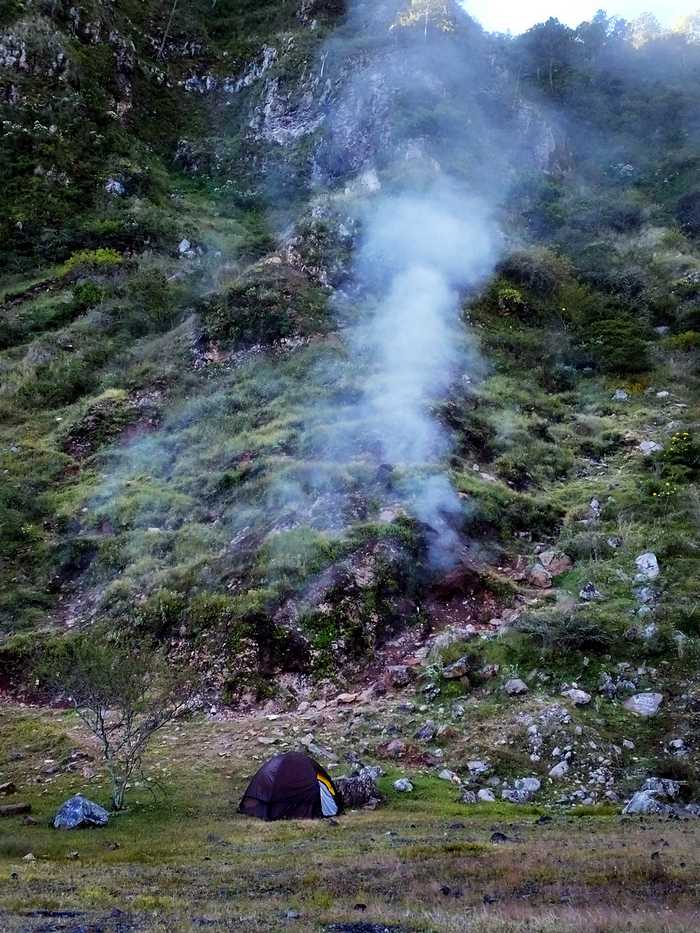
(349, 354)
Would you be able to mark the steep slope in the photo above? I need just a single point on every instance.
(202, 438)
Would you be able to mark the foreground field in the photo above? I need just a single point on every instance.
(182, 859)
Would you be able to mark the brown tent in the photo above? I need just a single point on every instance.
(291, 787)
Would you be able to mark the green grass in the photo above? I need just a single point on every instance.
(171, 858)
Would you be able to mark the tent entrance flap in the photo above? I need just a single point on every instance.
(328, 805)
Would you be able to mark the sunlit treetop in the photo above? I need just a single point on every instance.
(439, 14)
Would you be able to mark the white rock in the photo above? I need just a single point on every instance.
(590, 592)
(644, 704)
(184, 247)
(478, 767)
(662, 787)
(115, 187)
(447, 775)
(515, 687)
(648, 565)
(559, 771)
(403, 785)
(645, 802)
(486, 796)
(577, 697)
(650, 447)
(619, 395)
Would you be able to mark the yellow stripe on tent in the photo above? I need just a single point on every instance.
(325, 782)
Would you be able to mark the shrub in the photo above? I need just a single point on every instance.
(11, 10)
(123, 694)
(87, 295)
(150, 291)
(558, 632)
(534, 462)
(266, 303)
(618, 347)
(510, 299)
(60, 382)
(681, 456)
(93, 260)
(683, 343)
(536, 269)
(210, 611)
(162, 613)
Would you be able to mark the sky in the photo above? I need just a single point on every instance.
(517, 16)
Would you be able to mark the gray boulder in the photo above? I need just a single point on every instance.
(360, 788)
(515, 686)
(530, 785)
(403, 785)
(647, 565)
(457, 669)
(399, 675)
(590, 592)
(644, 704)
(645, 802)
(451, 636)
(427, 731)
(559, 771)
(655, 797)
(79, 812)
(478, 768)
(524, 790)
(577, 697)
(662, 787)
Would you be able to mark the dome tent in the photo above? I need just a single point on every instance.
(291, 787)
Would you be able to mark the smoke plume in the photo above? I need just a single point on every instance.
(426, 241)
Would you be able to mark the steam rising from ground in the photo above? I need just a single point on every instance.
(420, 252)
(425, 242)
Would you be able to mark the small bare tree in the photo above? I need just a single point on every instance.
(124, 694)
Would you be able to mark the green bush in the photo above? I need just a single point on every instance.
(496, 507)
(93, 260)
(265, 304)
(535, 463)
(688, 213)
(162, 613)
(618, 347)
(87, 295)
(57, 383)
(511, 299)
(210, 611)
(683, 343)
(558, 632)
(681, 457)
(151, 294)
(540, 270)
(11, 10)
